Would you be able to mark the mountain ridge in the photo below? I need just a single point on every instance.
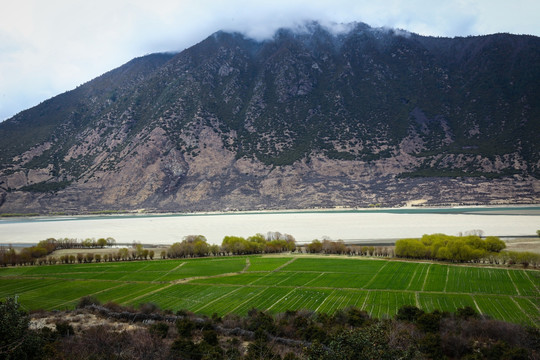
(305, 119)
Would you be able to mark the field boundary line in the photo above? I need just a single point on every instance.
(287, 278)
(365, 299)
(315, 278)
(257, 279)
(170, 271)
(377, 273)
(412, 277)
(152, 292)
(476, 304)
(283, 297)
(532, 282)
(141, 269)
(326, 298)
(446, 280)
(243, 302)
(513, 283)
(97, 292)
(417, 299)
(519, 307)
(532, 302)
(248, 264)
(282, 266)
(219, 298)
(425, 278)
(121, 298)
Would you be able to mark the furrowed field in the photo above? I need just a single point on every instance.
(237, 284)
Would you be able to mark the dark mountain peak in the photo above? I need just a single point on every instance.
(318, 115)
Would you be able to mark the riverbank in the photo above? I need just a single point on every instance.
(517, 209)
(350, 225)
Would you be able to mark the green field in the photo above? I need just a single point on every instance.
(237, 284)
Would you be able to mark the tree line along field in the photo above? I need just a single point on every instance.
(237, 284)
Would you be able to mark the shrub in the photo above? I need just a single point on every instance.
(466, 312)
(64, 328)
(409, 313)
(159, 329)
(185, 327)
(87, 301)
(149, 308)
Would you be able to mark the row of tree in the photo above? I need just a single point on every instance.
(190, 246)
(339, 247)
(433, 247)
(470, 248)
(197, 246)
(39, 252)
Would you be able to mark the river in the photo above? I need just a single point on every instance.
(348, 225)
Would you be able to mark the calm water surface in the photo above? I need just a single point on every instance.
(349, 225)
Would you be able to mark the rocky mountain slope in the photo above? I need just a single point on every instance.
(306, 119)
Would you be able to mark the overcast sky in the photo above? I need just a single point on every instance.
(51, 46)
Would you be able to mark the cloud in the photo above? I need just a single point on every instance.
(47, 47)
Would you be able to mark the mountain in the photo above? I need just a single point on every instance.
(306, 119)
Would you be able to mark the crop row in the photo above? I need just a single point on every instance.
(326, 285)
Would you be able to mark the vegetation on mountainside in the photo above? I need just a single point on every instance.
(351, 96)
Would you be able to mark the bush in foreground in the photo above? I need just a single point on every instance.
(347, 334)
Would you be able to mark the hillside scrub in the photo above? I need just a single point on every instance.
(347, 334)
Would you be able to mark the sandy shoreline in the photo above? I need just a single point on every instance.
(350, 225)
(518, 209)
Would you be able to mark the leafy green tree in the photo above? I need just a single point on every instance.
(315, 247)
(494, 244)
(371, 342)
(16, 340)
(185, 327)
(159, 329)
(111, 241)
(409, 313)
(13, 325)
(101, 242)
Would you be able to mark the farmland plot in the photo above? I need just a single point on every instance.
(436, 278)
(334, 280)
(287, 279)
(341, 299)
(266, 264)
(336, 265)
(529, 308)
(386, 303)
(237, 284)
(396, 275)
(63, 295)
(301, 299)
(276, 296)
(418, 278)
(231, 301)
(237, 279)
(12, 287)
(444, 302)
(503, 307)
(475, 280)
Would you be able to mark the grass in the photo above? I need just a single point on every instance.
(237, 284)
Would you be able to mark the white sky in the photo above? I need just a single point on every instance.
(51, 46)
